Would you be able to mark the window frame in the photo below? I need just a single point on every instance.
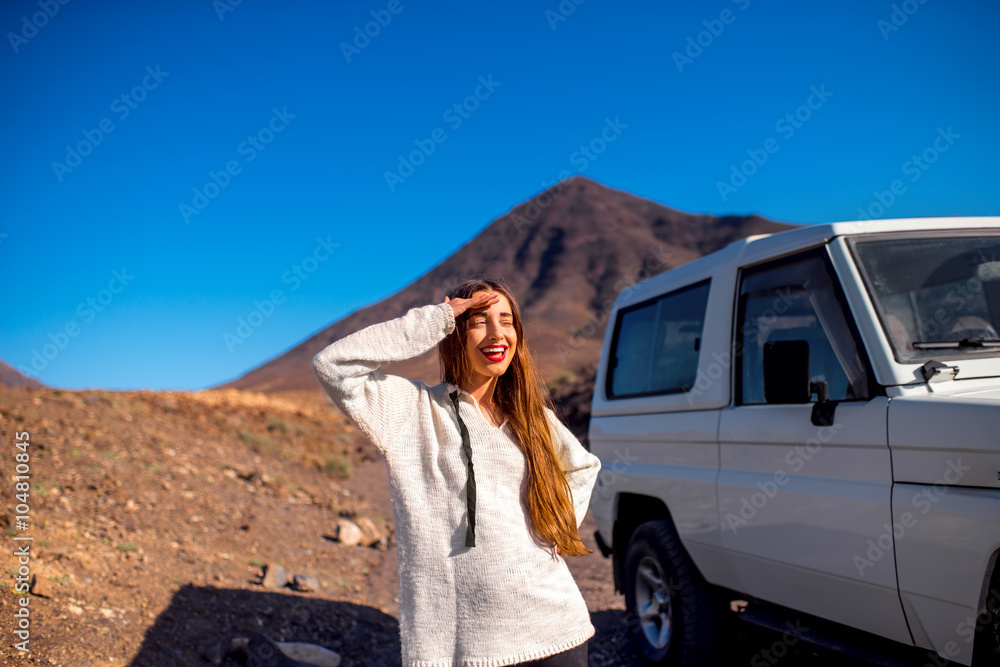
(613, 357)
(823, 253)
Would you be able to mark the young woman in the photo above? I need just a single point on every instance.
(488, 486)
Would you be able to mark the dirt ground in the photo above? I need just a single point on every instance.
(153, 514)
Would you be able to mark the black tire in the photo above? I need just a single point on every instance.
(986, 650)
(671, 611)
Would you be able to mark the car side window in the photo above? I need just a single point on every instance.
(656, 344)
(797, 300)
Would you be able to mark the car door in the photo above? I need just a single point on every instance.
(805, 512)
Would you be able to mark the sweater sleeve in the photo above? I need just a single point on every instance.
(581, 467)
(380, 405)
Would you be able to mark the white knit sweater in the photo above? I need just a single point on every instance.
(506, 600)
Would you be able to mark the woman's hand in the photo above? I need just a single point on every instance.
(484, 300)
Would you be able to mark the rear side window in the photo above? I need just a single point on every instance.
(655, 345)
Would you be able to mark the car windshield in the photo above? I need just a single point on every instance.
(936, 297)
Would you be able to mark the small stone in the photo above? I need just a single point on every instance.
(262, 652)
(214, 655)
(305, 583)
(40, 586)
(370, 532)
(74, 609)
(311, 654)
(274, 576)
(348, 532)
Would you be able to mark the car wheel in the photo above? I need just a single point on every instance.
(986, 651)
(671, 610)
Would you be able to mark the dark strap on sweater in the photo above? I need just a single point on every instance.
(470, 488)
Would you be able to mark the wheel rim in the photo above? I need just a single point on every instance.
(652, 600)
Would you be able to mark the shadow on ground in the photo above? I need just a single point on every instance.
(200, 618)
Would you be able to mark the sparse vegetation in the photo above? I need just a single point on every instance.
(565, 377)
(337, 466)
(279, 425)
(259, 442)
(43, 488)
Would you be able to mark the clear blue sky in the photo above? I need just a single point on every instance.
(199, 82)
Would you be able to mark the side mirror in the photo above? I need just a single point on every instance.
(787, 372)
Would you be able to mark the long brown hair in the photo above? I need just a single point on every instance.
(523, 397)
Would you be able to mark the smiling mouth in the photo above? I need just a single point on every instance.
(494, 352)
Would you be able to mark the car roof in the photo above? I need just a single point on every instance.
(762, 247)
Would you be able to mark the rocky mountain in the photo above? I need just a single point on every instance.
(566, 253)
(11, 377)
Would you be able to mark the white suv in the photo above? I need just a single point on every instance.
(809, 421)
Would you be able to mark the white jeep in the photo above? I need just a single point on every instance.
(809, 422)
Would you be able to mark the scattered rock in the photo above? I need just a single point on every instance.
(40, 586)
(274, 576)
(305, 583)
(348, 532)
(261, 651)
(53, 553)
(310, 653)
(369, 531)
(214, 655)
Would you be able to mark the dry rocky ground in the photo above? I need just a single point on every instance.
(154, 514)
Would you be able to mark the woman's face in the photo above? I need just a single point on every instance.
(491, 339)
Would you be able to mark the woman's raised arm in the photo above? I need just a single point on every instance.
(381, 405)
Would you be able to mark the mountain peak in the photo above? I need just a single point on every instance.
(565, 253)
